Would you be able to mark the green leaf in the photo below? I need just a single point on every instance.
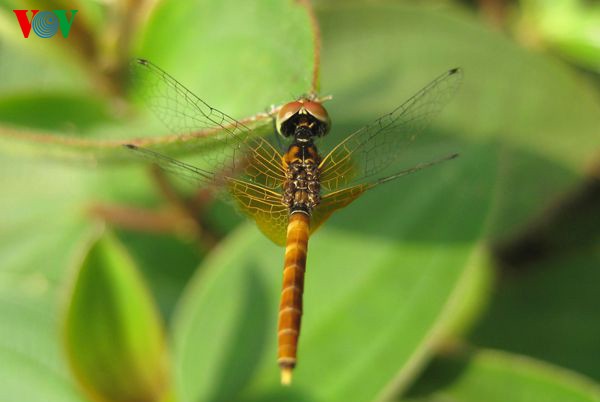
(113, 335)
(494, 376)
(62, 112)
(246, 55)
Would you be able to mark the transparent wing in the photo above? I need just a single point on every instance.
(332, 202)
(263, 205)
(178, 168)
(366, 153)
(227, 147)
(338, 199)
(234, 156)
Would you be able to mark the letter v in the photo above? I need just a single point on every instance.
(24, 22)
(65, 24)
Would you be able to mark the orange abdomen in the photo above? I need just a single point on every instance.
(290, 308)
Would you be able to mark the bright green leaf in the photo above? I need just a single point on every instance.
(569, 27)
(113, 335)
(240, 57)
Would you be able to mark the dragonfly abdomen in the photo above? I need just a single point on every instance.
(290, 308)
(301, 190)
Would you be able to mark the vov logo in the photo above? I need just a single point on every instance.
(45, 24)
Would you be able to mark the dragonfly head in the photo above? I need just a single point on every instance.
(303, 119)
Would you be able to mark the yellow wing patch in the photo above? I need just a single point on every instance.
(337, 168)
(263, 165)
(262, 205)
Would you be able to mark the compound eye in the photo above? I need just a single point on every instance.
(317, 111)
(286, 111)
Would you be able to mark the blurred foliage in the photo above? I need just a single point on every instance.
(568, 27)
(108, 312)
(393, 278)
(555, 300)
(488, 375)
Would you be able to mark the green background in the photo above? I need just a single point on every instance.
(475, 280)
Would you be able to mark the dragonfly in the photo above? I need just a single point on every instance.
(291, 192)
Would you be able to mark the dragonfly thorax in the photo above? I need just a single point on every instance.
(301, 189)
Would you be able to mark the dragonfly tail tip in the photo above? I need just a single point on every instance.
(286, 376)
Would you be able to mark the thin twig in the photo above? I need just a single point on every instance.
(316, 31)
(144, 220)
(494, 11)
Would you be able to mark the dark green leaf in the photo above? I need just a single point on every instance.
(549, 310)
(494, 376)
(62, 113)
